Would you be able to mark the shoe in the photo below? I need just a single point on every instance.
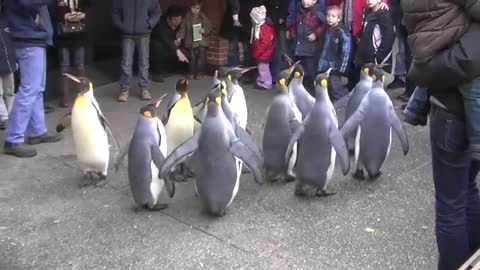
(414, 120)
(3, 124)
(46, 138)
(123, 97)
(19, 150)
(396, 83)
(145, 95)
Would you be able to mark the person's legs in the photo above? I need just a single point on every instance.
(336, 88)
(64, 57)
(452, 174)
(264, 79)
(79, 60)
(3, 105)
(471, 99)
(192, 64)
(473, 209)
(143, 45)
(128, 49)
(233, 56)
(308, 63)
(201, 59)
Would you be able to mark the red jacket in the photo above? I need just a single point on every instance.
(357, 11)
(262, 48)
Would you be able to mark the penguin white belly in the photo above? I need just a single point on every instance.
(331, 167)
(91, 139)
(178, 129)
(239, 106)
(156, 186)
(292, 161)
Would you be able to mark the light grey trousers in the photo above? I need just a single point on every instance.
(6, 95)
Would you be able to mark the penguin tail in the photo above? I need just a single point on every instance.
(64, 122)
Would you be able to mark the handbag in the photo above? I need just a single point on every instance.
(66, 28)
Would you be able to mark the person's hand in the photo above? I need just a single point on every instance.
(384, 6)
(181, 57)
(281, 21)
(312, 37)
(61, 3)
(177, 42)
(287, 35)
(237, 23)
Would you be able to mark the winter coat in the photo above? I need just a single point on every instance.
(7, 51)
(376, 38)
(70, 40)
(335, 54)
(277, 10)
(186, 30)
(135, 17)
(29, 22)
(242, 8)
(306, 23)
(320, 10)
(164, 36)
(437, 29)
(262, 48)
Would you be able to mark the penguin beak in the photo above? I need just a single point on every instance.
(159, 100)
(289, 60)
(71, 77)
(292, 67)
(327, 73)
(245, 70)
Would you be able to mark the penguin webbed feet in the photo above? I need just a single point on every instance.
(156, 207)
(359, 175)
(93, 178)
(373, 177)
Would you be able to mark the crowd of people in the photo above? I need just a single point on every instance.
(437, 63)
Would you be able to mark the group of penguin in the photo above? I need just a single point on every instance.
(209, 141)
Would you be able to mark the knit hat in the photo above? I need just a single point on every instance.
(258, 15)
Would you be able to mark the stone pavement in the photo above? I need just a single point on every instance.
(48, 222)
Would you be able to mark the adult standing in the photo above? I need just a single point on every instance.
(31, 32)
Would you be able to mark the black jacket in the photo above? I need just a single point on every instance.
(243, 8)
(276, 10)
(136, 17)
(164, 36)
(368, 51)
(71, 40)
(7, 51)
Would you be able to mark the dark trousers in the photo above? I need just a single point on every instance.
(164, 60)
(336, 88)
(457, 201)
(308, 63)
(409, 85)
(279, 62)
(197, 60)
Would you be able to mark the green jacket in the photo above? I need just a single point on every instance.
(186, 30)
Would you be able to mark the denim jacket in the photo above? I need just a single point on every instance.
(307, 22)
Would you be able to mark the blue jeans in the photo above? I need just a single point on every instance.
(457, 200)
(142, 44)
(27, 113)
(78, 58)
(418, 106)
(309, 66)
(233, 58)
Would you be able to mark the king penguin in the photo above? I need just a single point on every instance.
(297, 92)
(89, 130)
(236, 96)
(146, 153)
(319, 141)
(372, 125)
(358, 93)
(214, 148)
(281, 121)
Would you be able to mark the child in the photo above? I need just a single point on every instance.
(335, 53)
(375, 39)
(7, 67)
(262, 46)
(306, 32)
(418, 106)
(196, 47)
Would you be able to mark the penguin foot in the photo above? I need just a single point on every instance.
(157, 207)
(102, 181)
(374, 176)
(288, 179)
(359, 175)
(323, 193)
(87, 180)
(302, 190)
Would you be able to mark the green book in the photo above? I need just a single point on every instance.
(197, 32)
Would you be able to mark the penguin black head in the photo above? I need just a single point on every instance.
(182, 87)
(298, 71)
(377, 74)
(284, 75)
(222, 73)
(84, 82)
(367, 67)
(322, 79)
(149, 110)
(235, 73)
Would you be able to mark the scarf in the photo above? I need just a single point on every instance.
(258, 15)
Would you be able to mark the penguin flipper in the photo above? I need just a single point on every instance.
(338, 143)
(105, 124)
(399, 129)
(247, 156)
(354, 120)
(247, 139)
(158, 160)
(293, 140)
(64, 122)
(178, 155)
